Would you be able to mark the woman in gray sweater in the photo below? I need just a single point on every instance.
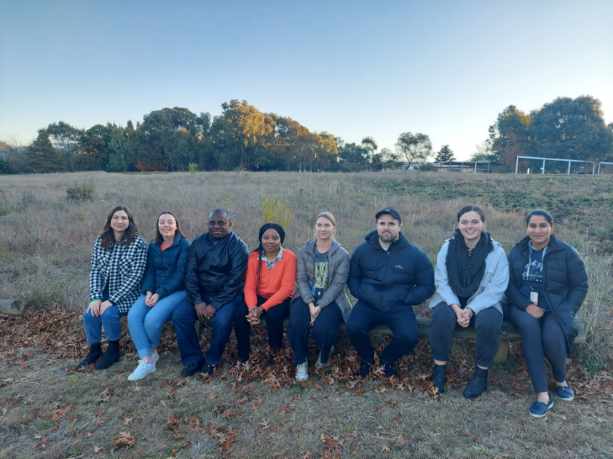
(322, 305)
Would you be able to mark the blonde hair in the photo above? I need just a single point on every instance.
(328, 216)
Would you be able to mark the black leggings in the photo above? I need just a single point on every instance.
(541, 338)
(274, 319)
(487, 325)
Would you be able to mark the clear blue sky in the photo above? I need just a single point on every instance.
(353, 68)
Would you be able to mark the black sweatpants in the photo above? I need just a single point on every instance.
(487, 324)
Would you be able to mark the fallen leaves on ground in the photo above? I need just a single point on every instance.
(124, 440)
(59, 333)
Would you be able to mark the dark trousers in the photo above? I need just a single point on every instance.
(401, 321)
(487, 324)
(231, 314)
(541, 338)
(324, 329)
(274, 318)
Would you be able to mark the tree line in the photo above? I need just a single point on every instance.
(565, 128)
(242, 137)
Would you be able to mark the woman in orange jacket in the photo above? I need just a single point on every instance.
(270, 283)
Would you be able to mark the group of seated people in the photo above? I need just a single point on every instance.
(539, 287)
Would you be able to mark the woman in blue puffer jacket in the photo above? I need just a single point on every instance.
(547, 285)
(163, 290)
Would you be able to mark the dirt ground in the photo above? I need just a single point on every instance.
(48, 410)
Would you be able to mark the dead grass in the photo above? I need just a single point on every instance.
(47, 411)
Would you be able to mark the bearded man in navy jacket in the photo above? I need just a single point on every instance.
(388, 276)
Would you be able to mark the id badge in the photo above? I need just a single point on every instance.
(534, 298)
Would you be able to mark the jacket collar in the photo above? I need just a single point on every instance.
(177, 239)
(310, 246)
(373, 239)
(553, 246)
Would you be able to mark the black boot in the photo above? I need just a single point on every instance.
(477, 385)
(94, 354)
(110, 356)
(439, 379)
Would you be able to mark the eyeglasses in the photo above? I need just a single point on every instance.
(538, 225)
(217, 222)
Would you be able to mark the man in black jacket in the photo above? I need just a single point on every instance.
(214, 282)
(388, 275)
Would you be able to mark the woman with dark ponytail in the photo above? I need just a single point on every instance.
(547, 287)
(270, 283)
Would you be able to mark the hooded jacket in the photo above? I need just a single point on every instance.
(216, 269)
(388, 280)
(565, 282)
(338, 273)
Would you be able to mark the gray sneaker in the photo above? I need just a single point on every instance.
(302, 372)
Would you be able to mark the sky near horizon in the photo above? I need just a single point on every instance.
(352, 68)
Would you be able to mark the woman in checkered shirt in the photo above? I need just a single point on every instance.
(118, 262)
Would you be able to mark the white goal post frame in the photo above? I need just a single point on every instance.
(544, 160)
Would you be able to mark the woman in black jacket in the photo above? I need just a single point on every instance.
(547, 285)
(163, 290)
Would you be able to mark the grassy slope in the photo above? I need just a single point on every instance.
(49, 412)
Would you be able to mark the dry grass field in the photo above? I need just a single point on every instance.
(47, 224)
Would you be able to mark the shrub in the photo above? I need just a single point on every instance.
(192, 168)
(276, 210)
(81, 192)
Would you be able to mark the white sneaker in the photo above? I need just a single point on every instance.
(155, 357)
(142, 370)
(302, 372)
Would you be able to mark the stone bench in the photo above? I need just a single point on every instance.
(509, 333)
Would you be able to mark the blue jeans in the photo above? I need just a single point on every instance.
(402, 322)
(109, 321)
(231, 314)
(324, 330)
(145, 323)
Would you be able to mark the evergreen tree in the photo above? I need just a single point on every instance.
(444, 155)
(42, 156)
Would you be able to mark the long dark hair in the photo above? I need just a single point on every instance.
(108, 237)
(158, 235)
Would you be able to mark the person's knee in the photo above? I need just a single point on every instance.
(184, 312)
(488, 322)
(111, 313)
(152, 323)
(406, 337)
(442, 313)
(355, 326)
(526, 324)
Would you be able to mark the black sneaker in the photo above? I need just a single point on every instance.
(390, 369)
(439, 378)
(209, 369)
(93, 355)
(477, 384)
(109, 357)
(192, 368)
